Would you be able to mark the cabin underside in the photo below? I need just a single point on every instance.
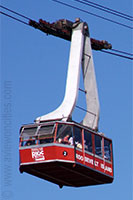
(66, 174)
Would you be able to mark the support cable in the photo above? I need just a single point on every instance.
(127, 57)
(90, 13)
(123, 52)
(21, 21)
(16, 13)
(14, 18)
(105, 9)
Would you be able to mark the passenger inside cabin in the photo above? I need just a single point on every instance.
(107, 150)
(78, 137)
(107, 155)
(85, 145)
(88, 141)
(68, 139)
(71, 140)
(78, 145)
(64, 134)
(45, 140)
(30, 142)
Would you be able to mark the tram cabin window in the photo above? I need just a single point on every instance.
(88, 141)
(64, 134)
(78, 137)
(98, 145)
(29, 141)
(46, 134)
(107, 149)
(28, 136)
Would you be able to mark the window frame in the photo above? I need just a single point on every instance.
(91, 134)
(81, 137)
(101, 146)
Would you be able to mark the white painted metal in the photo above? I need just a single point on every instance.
(64, 111)
(92, 115)
(80, 54)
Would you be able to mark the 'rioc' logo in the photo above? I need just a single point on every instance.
(38, 154)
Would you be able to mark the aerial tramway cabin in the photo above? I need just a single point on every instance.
(56, 148)
(66, 154)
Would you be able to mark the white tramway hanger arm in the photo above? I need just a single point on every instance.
(80, 54)
(64, 111)
(92, 101)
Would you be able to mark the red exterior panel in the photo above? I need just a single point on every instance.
(47, 153)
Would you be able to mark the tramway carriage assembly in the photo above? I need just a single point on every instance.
(57, 149)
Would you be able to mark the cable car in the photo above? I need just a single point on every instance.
(56, 148)
(66, 154)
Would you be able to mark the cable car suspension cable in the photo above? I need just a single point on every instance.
(93, 14)
(14, 18)
(115, 54)
(106, 9)
(123, 52)
(14, 12)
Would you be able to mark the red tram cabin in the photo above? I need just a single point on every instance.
(66, 153)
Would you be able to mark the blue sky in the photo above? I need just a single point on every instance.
(33, 75)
